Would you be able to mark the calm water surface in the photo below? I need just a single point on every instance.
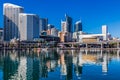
(57, 64)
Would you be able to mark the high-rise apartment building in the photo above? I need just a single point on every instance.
(78, 26)
(28, 26)
(11, 14)
(68, 23)
(43, 23)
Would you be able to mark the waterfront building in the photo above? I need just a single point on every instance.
(78, 26)
(104, 31)
(68, 23)
(43, 24)
(65, 36)
(49, 38)
(11, 14)
(87, 37)
(51, 30)
(50, 26)
(109, 36)
(28, 26)
(60, 35)
(76, 36)
(54, 32)
(81, 37)
(64, 26)
(1, 34)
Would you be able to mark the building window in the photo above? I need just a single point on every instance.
(8, 20)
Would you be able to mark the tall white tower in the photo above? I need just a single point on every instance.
(11, 14)
(104, 32)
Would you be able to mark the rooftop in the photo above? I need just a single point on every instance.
(24, 14)
(11, 5)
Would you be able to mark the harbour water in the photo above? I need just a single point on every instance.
(55, 64)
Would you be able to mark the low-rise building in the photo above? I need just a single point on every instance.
(50, 38)
(88, 37)
(82, 37)
(54, 32)
(65, 36)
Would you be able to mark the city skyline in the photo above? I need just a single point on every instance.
(93, 13)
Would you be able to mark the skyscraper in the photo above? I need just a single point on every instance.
(28, 26)
(104, 31)
(78, 26)
(67, 28)
(69, 23)
(43, 24)
(11, 13)
(64, 26)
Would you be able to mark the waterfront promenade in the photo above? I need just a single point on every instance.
(113, 45)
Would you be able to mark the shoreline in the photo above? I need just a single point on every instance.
(68, 48)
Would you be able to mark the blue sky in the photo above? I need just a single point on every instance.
(93, 13)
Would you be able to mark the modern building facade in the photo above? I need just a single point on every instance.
(78, 26)
(1, 34)
(54, 32)
(81, 37)
(28, 26)
(69, 23)
(43, 24)
(50, 26)
(65, 36)
(11, 14)
(104, 31)
(64, 26)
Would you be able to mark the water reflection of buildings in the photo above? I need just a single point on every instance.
(62, 62)
(66, 64)
(118, 54)
(105, 64)
(19, 67)
(79, 65)
(69, 65)
(48, 63)
(91, 58)
(10, 66)
(78, 59)
(30, 65)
